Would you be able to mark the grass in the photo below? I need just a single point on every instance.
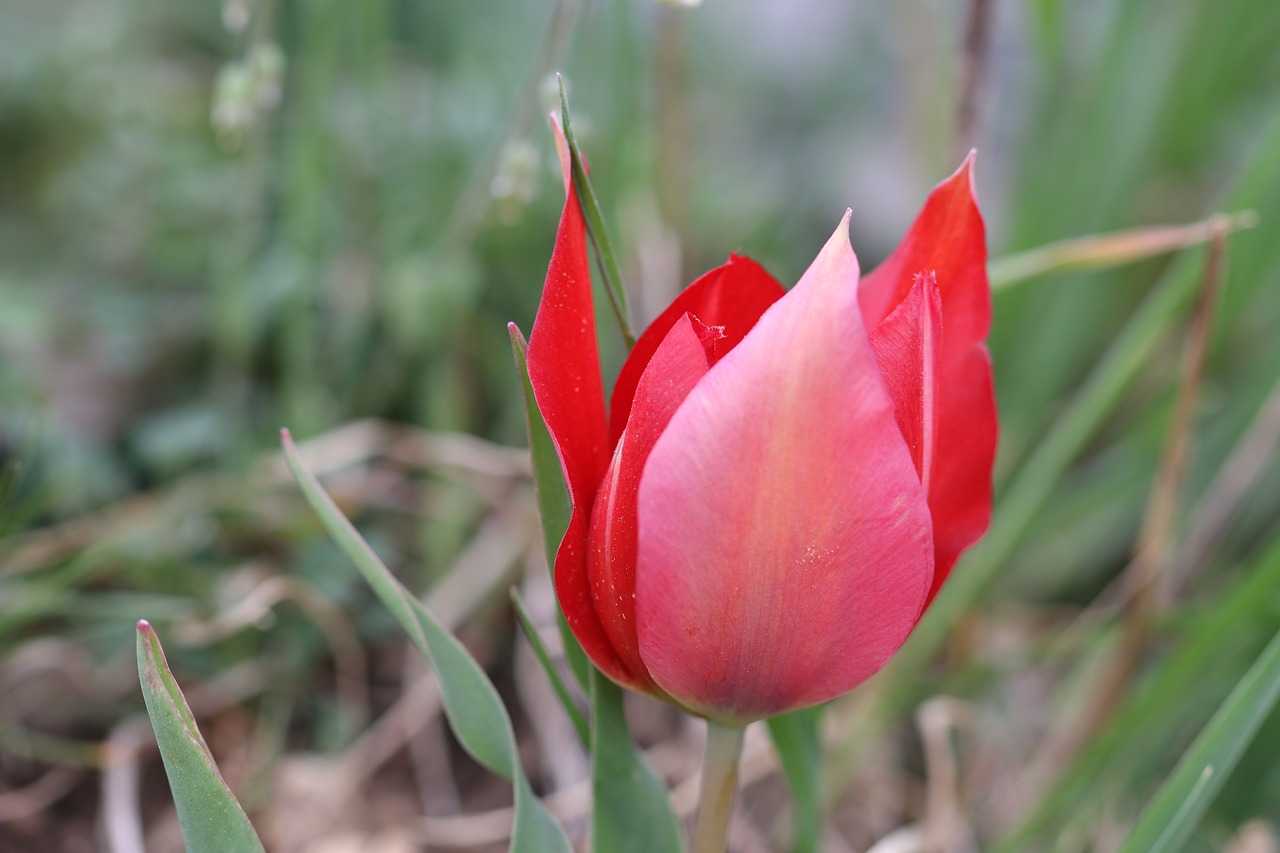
(345, 261)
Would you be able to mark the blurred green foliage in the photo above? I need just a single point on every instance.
(216, 219)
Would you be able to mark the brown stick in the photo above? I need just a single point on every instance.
(1141, 579)
(972, 65)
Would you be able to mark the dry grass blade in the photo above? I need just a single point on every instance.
(479, 464)
(49, 788)
(1103, 251)
(338, 630)
(121, 807)
(1142, 576)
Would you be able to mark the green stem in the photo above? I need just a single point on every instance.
(719, 783)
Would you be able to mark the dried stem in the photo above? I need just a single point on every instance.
(1143, 575)
(1244, 468)
(1141, 580)
(972, 63)
(1104, 251)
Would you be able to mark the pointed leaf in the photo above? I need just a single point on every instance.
(548, 481)
(471, 703)
(211, 818)
(630, 809)
(797, 737)
(605, 259)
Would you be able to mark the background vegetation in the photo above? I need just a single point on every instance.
(219, 219)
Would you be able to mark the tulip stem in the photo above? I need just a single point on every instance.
(719, 784)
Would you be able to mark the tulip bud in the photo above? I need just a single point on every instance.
(782, 479)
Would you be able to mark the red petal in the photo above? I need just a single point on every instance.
(681, 360)
(908, 348)
(785, 549)
(948, 239)
(564, 370)
(732, 296)
(960, 491)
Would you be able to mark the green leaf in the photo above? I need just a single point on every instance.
(596, 230)
(797, 737)
(212, 820)
(1185, 796)
(471, 703)
(552, 495)
(557, 683)
(548, 481)
(631, 812)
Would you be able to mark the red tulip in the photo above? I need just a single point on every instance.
(783, 479)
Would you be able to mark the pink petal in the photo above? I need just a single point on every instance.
(948, 240)
(564, 370)
(731, 296)
(785, 546)
(676, 367)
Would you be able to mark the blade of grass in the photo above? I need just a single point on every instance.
(211, 818)
(471, 702)
(557, 683)
(1149, 718)
(48, 749)
(596, 230)
(1182, 801)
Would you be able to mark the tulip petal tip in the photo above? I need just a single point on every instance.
(967, 168)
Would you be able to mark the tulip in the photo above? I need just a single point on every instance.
(782, 480)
